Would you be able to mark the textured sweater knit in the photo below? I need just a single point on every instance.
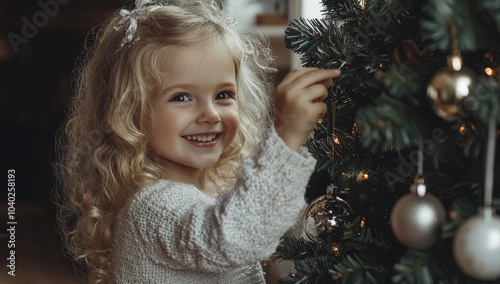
(174, 233)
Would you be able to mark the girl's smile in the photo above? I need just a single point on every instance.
(203, 139)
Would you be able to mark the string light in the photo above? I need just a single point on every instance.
(362, 176)
(489, 71)
(336, 250)
(362, 223)
(462, 128)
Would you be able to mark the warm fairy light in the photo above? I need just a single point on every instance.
(336, 140)
(360, 177)
(489, 71)
(462, 128)
(362, 223)
(336, 250)
(381, 65)
(362, 3)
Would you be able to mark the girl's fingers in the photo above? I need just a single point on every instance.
(327, 83)
(318, 76)
(324, 110)
(294, 74)
(320, 109)
(316, 93)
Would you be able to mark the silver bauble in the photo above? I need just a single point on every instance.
(476, 246)
(447, 89)
(417, 220)
(324, 221)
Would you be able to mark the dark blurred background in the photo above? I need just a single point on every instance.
(39, 43)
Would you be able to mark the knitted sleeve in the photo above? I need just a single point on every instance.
(181, 227)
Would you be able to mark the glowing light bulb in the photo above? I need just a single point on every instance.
(462, 128)
(456, 63)
(489, 71)
(362, 223)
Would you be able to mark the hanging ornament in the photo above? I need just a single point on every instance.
(476, 246)
(417, 218)
(450, 85)
(325, 220)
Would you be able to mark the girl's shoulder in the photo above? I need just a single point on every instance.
(165, 195)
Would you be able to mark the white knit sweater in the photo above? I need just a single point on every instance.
(174, 233)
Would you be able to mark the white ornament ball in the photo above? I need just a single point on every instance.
(476, 246)
(417, 221)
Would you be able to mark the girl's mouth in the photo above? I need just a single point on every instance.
(203, 140)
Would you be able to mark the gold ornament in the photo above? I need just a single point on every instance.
(449, 86)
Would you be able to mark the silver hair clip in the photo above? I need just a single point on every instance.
(142, 9)
(231, 22)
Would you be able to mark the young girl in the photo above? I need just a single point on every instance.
(170, 100)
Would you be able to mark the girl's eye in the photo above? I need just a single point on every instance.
(224, 95)
(180, 98)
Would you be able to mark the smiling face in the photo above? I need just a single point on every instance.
(197, 110)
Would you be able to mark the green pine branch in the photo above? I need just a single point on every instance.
(349, 157)
(341, 11)
(369, 240)
(485, 100)
(493, 8)
(442, 15)
(310, 271)
(389, 123)
(294, 249)
(320, 43)
(357, 269)
(413, 267)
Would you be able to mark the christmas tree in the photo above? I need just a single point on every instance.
(407, 148)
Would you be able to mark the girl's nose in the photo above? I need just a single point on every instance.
(208, 113)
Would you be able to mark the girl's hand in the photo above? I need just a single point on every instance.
(299, 103)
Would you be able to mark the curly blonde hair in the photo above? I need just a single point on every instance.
(104, 155)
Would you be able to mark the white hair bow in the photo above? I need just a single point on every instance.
(142, 9)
